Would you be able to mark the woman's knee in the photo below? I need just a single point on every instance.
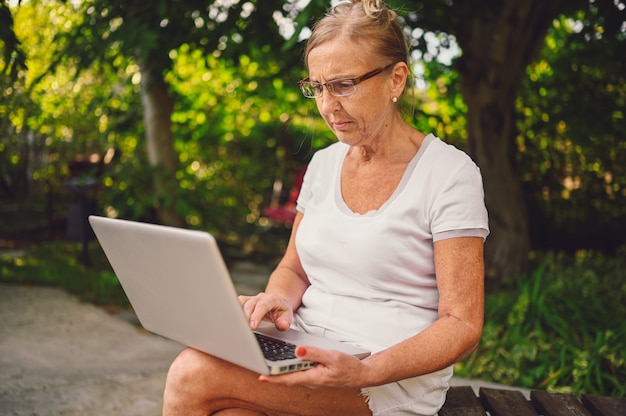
(199, 381)
(188, 384)
(196, 373)
(191, 367)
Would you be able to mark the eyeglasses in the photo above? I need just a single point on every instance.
(341, 87)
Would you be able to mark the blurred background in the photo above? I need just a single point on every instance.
(187, 113)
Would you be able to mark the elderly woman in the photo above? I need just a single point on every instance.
(386, 250)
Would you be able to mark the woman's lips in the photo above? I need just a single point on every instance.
(340, 125)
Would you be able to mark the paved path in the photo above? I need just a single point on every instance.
(60, 356)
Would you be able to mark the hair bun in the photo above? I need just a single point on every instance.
(375, 8)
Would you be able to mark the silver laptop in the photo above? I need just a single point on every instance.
(180, 288)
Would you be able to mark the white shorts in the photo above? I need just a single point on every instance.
(423, 395)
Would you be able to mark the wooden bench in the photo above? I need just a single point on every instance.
(461, 401)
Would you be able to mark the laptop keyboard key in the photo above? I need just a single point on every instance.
(275, 349)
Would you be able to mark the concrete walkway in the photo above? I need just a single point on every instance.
(60, 356)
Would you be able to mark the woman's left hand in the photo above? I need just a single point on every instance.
(333, 369)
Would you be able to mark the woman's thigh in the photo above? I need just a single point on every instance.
(198, 383)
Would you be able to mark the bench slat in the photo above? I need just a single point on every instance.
(506, 403)
(605, 406)
(557, 404)
(461, 401)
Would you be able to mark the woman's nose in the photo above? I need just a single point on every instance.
(328, 103)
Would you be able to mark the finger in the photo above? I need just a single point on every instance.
(248, 304)
(272, 309)
(265, 308)
(254, 306)
(326, 360)
(243, 300)
(309, 353)
(281, 315)
(283, 322)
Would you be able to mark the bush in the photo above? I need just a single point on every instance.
(561, 329)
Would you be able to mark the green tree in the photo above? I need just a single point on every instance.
(512, 128)
(51, 113)
(571, 149)
(148, 33)
(499, 40)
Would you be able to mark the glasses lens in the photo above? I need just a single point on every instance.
(310, 90)
(342, 87)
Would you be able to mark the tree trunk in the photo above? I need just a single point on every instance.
(497, 48)
(158, 107)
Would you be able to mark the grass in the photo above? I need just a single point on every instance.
(561, 328)
(60, 264)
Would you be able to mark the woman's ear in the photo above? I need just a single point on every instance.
(399, 75)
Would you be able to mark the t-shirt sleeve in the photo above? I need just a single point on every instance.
(459, 205)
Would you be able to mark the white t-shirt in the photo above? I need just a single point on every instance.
(372, 276)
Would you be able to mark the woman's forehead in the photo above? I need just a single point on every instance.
(337, 58)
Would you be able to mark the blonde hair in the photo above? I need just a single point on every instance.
(369, 22)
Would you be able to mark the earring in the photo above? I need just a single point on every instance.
(394, 99)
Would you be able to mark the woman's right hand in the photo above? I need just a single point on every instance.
(267, 307)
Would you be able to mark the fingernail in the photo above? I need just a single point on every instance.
(300, 351)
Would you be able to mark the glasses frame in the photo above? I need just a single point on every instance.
(355, 82)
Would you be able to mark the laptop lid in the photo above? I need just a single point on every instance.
(179, 286)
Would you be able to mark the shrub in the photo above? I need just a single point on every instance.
(561, 329)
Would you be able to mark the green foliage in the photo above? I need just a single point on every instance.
(240, 124)
(237, 129)
(52, 114)
(571, 148)
(560, 329)
(13, 58)
(148, 32)
(439, 107)
(60, 264)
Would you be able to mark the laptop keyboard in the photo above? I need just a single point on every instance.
(275, 349)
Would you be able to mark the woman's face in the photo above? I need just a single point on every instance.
(361, 118)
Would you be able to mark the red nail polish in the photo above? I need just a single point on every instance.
(301, 351)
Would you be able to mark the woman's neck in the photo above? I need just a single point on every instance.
(399, 146)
